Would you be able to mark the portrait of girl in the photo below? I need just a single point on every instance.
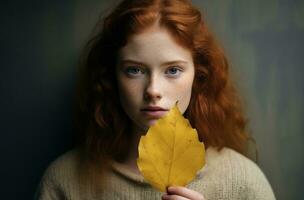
(147, 55)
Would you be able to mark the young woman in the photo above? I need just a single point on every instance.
(147, 55)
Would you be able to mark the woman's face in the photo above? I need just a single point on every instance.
(153, 73)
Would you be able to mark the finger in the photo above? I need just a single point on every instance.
(185, 192)
(173, 197)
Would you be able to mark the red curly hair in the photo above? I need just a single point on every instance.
(214, 109)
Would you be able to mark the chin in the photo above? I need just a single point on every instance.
(144, 126)
(147, 125)
(152, 122)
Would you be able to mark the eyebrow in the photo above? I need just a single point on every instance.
(163, 64)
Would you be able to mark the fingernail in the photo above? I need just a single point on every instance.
(170, 189)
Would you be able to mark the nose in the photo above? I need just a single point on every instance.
(152, 90)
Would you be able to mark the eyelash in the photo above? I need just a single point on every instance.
(178, 71)
(140, 71)
(132, 74)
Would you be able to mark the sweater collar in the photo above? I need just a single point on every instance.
(127, 173)
(124, 171)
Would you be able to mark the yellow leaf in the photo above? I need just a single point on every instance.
(170, 153)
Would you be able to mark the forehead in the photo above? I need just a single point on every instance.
(154, 45)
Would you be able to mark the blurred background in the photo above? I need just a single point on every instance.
(40, 46)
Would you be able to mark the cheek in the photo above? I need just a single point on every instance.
(129, 92)
(183, 94)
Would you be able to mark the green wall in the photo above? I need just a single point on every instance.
(264, 41)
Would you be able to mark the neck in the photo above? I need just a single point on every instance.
(130, 162)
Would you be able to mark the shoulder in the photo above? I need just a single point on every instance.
(58, 176)
(241, 172)
(228, 156)
(63, 166)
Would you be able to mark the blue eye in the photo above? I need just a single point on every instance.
(173, 71)
(134, 71)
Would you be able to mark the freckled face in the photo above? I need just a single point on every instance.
(153, 72)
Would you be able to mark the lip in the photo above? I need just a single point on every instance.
(154, 111)
(153, 108)
(155, 114)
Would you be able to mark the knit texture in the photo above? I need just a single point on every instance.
(227, 175)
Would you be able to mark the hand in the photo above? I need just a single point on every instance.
(182, 193)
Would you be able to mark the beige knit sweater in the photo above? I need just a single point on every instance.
(227, 175)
